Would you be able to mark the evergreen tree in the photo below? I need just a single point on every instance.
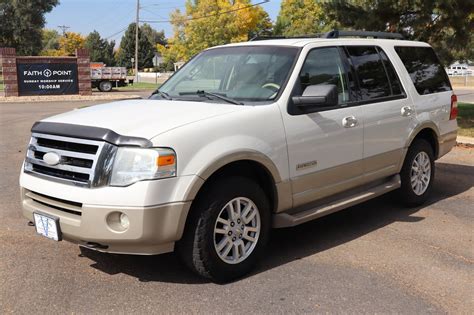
(126, 52)
(100, 50)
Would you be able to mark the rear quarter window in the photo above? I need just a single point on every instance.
(426, 72)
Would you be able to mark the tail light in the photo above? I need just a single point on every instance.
(454, 107)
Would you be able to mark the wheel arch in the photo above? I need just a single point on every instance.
(429, 132)
(250, 164)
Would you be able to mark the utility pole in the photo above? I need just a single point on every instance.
(63, 28)
(136, 41)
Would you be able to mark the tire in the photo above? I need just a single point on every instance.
(414, 192)
(200, 245)
(105, 86)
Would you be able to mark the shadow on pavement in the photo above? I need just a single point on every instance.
(289, 244)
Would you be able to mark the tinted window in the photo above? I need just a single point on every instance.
(373, 81)
(425, 70)
(324, 66)
(392, 74)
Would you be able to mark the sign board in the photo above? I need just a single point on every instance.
(47, 78)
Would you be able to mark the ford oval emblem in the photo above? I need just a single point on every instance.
(52, 158)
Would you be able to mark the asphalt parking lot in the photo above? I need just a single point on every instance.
(376, 257)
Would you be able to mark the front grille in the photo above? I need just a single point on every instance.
(82, 162)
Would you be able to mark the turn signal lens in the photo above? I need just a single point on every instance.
(454, 107)
(165, 160)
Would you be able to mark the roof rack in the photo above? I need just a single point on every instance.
(385, 35)
(337, 34)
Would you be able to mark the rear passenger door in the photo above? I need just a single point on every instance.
(388, 112)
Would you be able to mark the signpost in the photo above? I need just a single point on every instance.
(47, 78)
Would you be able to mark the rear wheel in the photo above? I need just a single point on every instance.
(417, 173)
(105, 86)
(227, 229)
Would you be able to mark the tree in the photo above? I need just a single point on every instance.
(209, 23)
(50, 39)
(299, 17)
(447, 25)
(126, 52)
(67, 45)
(21, 24)
(153, 36)
(70, 42)
(100, 50)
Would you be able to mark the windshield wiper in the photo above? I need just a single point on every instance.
(162, 94)
(221, 97)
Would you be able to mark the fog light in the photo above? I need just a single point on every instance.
(124, 221)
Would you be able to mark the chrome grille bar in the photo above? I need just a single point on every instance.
(77, 164)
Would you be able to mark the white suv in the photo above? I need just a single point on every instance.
(243, 138)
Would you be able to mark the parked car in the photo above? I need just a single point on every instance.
(243, 138)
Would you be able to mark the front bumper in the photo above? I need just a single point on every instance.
(152, 230)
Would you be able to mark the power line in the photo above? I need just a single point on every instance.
(63, 28)
(153, 13)
(207, 16)
(114, 34)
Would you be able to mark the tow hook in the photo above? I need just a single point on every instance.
(93, 245)
(30, 223)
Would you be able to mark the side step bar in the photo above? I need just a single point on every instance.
(281, 220)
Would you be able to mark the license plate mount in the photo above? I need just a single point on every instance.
(47, 226)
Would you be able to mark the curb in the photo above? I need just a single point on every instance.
(465, 141)
(67, 98)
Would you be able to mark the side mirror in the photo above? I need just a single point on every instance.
(324, 95)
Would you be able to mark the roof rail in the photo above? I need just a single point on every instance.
(336, 34)
(386, 35)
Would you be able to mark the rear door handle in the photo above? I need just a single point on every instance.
(406, 111)
(349, 121)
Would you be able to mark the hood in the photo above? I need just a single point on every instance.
(143, 118)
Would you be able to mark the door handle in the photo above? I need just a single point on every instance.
(349, 121)
(406, 111)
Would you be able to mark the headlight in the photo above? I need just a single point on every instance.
(135, 164)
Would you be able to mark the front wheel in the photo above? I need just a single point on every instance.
(417, 173)
(227, 229)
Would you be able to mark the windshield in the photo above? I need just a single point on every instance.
(243, 74)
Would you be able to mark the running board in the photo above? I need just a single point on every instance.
(281, 220)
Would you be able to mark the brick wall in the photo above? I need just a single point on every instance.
(84, 71)
(8, 63)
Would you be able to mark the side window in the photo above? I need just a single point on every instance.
(373, 81)
(392, 75)
(426, 72)
(324, 66)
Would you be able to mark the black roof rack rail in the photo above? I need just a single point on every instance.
(318, 35)
(336, 34)
(385, 35)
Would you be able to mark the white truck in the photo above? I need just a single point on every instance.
(105, 78)
(243, 138)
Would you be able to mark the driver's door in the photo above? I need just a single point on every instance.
(325, 147)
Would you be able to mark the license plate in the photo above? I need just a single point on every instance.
(47, 226)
